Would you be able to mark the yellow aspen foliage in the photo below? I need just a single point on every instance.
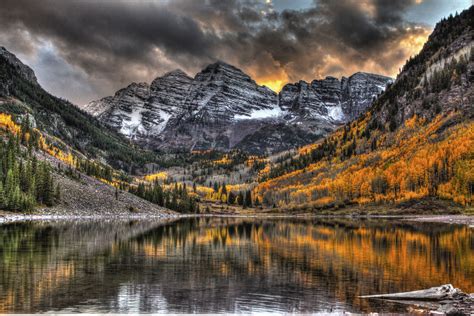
(161, 176)
(413, 163)
(7, 124)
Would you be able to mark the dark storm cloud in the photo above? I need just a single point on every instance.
(350, 32)
(88, 31)
(115, 42)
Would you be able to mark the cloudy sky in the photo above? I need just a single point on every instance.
(84, 49)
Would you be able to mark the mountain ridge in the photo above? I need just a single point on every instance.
(203, 112)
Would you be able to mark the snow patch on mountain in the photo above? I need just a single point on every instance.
(262, 114)
(335, 113)
(132, 122)
(164, 116)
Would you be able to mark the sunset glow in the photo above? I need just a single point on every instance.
(274, 85)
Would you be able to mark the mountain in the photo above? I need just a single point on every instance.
(62, 155)
(65, 124)
(217, 98)
(223, 108)
(413, 148)
(331, 98)
(23, 70)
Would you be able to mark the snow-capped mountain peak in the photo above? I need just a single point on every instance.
(221, 107)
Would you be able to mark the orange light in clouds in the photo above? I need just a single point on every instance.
(275, 85)
(399, 52)
(414, 43)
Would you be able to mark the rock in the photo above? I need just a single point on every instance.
(219, 96)
(22, 69)
(333, 99)
(359, 91)
(223, 108)
(221, 92)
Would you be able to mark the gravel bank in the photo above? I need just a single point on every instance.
(88, 197)
(449, 219)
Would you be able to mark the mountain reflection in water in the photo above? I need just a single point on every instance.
(226, 264)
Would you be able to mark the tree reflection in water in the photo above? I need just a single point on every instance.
(226, 264)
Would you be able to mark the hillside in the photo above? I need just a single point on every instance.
(20, 94)
(36, 177)
(56, 159)
(415, 142)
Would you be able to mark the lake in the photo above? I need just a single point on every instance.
(236, 265)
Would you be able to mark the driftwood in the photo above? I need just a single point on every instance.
(439, 293)
(444, 299)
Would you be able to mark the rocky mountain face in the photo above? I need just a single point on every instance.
(435, 82)
(222, 92)
(331, 98)
(223, 108)
(21, 69)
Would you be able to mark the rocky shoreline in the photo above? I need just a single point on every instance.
(62, 214)
(448, 219)
(15, 217)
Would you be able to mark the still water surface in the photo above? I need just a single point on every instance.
(226, 264)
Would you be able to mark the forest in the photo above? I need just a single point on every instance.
(385, 156)
(25, 182)
(410, 168)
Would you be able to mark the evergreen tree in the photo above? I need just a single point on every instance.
(248, 199)
(231, 198)
(57, 194)
(257, 201)
(240, 199)
(2, 196)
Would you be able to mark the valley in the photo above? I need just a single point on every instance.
(236, 156)
(220, 143)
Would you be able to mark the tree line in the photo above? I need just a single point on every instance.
(176, 199)
(25, 182)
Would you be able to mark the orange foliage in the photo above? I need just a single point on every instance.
(7, 124)
(415, 162)
(67, 158)
(225, 160)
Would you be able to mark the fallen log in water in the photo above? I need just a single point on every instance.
(447, 298)
(439, 293)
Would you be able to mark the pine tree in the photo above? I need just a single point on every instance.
(231, 198)
(2, 196)
(240, 199)
(248, 199)
(57, 194)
